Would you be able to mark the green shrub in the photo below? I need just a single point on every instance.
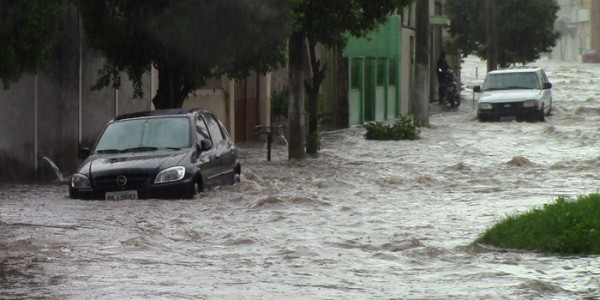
(313, 143)
(564, 227)
(403, 129)
(279, 103)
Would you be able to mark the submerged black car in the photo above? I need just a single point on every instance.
(173, 153)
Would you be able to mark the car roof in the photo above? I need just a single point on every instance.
(517, 69)
(161, 112)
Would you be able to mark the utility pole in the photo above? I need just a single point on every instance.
(490, 31)
(421, 95)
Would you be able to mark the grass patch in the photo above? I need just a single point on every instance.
(403, 129)
(564, 227)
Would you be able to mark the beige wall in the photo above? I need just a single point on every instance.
(221, 102)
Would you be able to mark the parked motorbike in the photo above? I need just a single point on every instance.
(449, 92)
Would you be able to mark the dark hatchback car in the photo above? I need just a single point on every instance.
(173, 153)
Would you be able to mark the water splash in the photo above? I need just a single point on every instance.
(59, 175)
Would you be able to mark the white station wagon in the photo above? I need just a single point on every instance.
(523, 93)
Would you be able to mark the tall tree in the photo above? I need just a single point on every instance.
(328, 22)
(524, 29)
(187, 41)
(27, 31)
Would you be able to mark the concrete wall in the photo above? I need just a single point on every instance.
(40, 115)
(595, 25)
(220, 100)
(213, 100)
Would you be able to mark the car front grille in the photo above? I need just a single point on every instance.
(507, 107)
(134, 181)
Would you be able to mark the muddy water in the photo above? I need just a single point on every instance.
(364, 220)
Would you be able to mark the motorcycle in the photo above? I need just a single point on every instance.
(449, 93)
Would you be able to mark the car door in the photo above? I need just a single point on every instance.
(231, 156)
(207, 160)
(223, 149)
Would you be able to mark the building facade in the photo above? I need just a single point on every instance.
(579, 24)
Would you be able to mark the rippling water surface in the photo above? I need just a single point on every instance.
(364, 220)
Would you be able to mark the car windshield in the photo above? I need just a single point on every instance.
(509, 81)
(145, 135)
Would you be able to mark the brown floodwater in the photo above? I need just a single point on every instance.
(363, 220)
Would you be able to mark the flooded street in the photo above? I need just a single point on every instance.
(364, 220)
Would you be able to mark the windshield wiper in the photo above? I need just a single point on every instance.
(140, 149)
(136, 149)
(109, 151)
(515, 87)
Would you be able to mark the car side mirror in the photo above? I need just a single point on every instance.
(547, 85)
(83, 153)
(205, 144)
(477, 89)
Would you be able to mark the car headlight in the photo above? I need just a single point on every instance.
(170, 175)
(485, 105)
(530, 103)
(80, 181)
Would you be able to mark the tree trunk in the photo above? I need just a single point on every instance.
(422, 73)
(343, 89)
(490, 31)
(312, 88)
(172, 90)
(297, 57)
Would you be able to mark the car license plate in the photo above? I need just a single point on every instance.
(121, 195)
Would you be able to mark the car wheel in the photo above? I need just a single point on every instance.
(236, 175)
(193, 190)
(542, 114)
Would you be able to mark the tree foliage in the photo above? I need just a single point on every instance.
(187, 41)
(524, 29)
(27, 31)
(331, 22)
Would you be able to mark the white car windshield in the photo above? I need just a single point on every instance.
(511, 80)
(145, 134)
